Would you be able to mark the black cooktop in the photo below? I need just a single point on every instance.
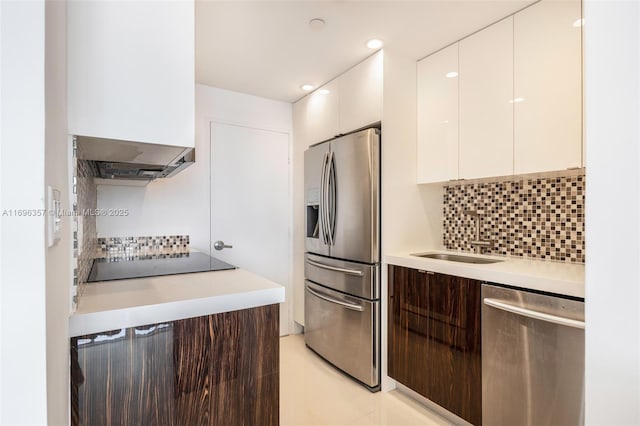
(153, 266)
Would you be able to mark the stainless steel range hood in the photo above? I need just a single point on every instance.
(136, 162)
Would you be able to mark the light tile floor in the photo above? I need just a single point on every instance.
(313, 393)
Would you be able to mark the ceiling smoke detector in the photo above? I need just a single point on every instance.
(317, 24)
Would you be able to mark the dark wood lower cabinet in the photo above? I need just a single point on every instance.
(220, 369)
(434, 338)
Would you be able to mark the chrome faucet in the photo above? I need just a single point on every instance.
(478, 243)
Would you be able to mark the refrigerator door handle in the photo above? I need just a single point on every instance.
(323, 206)
(326, 170)
(335, 268)
(331, 189)
(351, 306)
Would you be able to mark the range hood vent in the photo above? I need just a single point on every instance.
(133, 161)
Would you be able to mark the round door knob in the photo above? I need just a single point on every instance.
(219, 245)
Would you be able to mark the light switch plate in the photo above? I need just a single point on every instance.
(54, 216)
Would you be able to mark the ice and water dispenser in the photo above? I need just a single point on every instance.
(312, 213)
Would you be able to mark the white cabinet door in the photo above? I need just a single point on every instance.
(361, 94)
(349, 102)
(131, 70)
(438, 116)
(319, 113)
(486, 102)
(547, 64)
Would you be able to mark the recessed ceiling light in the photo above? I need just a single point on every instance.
(323, 91)
(374, 43)
(451, 74)
(317, 24)
(516, 100)
(307, 87)
(578, 23)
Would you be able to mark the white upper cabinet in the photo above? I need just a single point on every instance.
(361, 94)
(319, 112)
(486, 102)
(437, 149)
(548, 118)
(131, 70)
(518, 100)
(349, 102)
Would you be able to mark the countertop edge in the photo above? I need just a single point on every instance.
(522, 279)
(88, 323)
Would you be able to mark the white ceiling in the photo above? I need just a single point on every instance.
(266, 48)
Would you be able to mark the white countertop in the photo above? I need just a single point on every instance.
(119, 304)
(550, 276)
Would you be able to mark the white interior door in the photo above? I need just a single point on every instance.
(250, 203)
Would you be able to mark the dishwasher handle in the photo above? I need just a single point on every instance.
(533, 314)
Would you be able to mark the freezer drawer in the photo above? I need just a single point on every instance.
(344, 330)
(352, 278)
(532, 359)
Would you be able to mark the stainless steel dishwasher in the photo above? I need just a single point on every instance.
(532, 358)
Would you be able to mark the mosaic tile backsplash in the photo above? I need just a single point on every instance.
(85, 236)
(118, 247)
(531, 217)
(129, 257)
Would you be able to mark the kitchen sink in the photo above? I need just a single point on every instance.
(457, 258)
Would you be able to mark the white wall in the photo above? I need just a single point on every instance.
(58, 257)
(301, 142)
(1, 206)
(180, 205)
(411, 213)
(225, 106)
(174, 206)
(22, 281)
(612, 97)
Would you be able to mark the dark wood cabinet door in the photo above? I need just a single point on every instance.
(454, 352)
(118, 377)
(408, 327)
(210, 370)
(191, 359)
(245, 368)
(434, 338)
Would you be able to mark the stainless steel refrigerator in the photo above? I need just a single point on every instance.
(342, 259)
